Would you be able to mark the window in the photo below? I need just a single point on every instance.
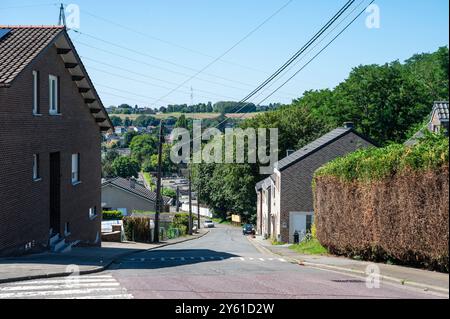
(75, 168)
(53, 95)
(67, 229)
(93, 212)
(36, 95)
(36, 175)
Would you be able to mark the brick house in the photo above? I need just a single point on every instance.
(51, 120)
(285, 199)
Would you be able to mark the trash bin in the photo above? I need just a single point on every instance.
(296, 238)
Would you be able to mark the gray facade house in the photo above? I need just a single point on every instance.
(129, 196)
(285, 199)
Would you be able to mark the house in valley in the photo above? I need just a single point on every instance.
(51, 120)
(129, 196)
(285, 199)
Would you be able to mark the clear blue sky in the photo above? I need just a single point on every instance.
(213, 26)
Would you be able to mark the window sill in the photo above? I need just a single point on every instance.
(76, 183)
(92, 218)
(54, 114)
(37, 115)
(37, 180)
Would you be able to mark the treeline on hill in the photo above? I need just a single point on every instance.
(388, 103)
(222, 107)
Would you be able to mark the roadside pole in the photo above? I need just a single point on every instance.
(190, 204)
(158, 182)
(198, 201)
(178, 199)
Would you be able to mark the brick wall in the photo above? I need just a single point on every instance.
(296, 181)
(24, 204)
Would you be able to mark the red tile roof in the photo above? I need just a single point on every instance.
(19, 47)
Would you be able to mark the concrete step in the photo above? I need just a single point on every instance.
(53, 240)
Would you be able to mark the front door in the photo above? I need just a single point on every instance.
(55, 192)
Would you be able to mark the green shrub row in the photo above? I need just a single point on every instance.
(112, 215)
(377, 163)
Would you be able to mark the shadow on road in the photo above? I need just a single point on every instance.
(172, 258)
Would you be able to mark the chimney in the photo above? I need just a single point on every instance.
(349, 125)
(132, 183)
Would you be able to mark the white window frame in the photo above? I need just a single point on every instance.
(75, 176)
(93, 213)
(36, 176)
(53, 96)
(35, 92)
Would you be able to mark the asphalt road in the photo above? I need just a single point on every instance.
(220, 265)
(224, 264)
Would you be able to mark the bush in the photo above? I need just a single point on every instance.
(389, 204)
(137, 229)
(378, 163)
(182, 221)
(112, 215)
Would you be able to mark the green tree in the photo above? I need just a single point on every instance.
(125, 167)
(143, 147)
(182, 122)
(116, 121)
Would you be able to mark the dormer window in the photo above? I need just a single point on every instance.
(36, 94)
(53, 95)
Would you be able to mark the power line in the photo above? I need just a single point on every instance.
(312, 49)
(176, 72)
(244, 102)
(229, 50)
(148, 76)
(168, 42)
(302, 50)
(157, 85)
(315, 56)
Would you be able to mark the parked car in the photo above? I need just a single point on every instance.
(248, 229)
(209, 224)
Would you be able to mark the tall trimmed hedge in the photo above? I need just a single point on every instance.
(387, 204)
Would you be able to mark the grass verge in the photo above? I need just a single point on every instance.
(312, 247)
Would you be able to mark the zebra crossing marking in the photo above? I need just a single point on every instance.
(79, 287)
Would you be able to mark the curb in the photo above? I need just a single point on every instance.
(347, 271)
(97, 269)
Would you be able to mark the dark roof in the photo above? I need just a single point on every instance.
(138, 189)
(441, 108)
(314, 146)
(23, 44)
(20, 46)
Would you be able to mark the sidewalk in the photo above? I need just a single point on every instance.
(418, 278)
(88, 260)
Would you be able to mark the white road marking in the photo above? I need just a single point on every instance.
(64, 286)
(242, 259)
(82, 287)
(262, 259)
(282, 260)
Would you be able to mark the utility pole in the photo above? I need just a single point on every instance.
(178, 199)
(190, 204)
(158, 182)
(198, 200)
(62, 15)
